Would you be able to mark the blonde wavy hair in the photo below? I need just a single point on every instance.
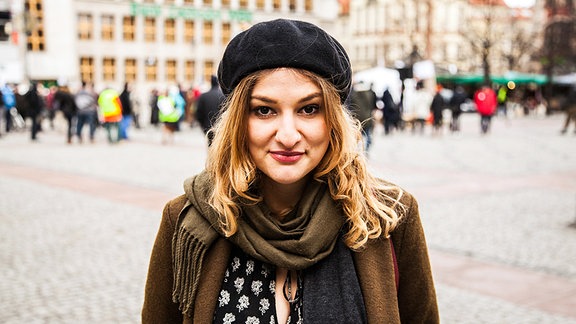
(367, 203)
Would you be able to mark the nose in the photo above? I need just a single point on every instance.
(287, 133)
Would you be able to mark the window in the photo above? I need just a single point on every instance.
(130, 69)
(189, 70)
(188, 2)
(109, 69)
(107, 27)
(260, 4)
(171, 70)
(226, 33)
(151, 69)
(85, 26)
(308, 5)
(87, 69)
(207, 3)
(5, 18)
(243, 4)
(208, 70)
(276, 4)
(292, 5)
(189, 31)
(225, 3)
(208, 32)
(169, 30)
(150, 29)
(128, 28)
(34, 20)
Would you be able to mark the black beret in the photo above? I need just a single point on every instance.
(285, 43)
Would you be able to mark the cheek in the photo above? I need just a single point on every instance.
(319, 134)
(256, 136)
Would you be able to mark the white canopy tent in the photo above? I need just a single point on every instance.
(381, 79)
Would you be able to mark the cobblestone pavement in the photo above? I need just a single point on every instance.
(77, 222)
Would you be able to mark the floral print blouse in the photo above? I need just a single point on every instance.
(248, 293)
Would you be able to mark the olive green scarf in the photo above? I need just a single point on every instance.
(300, 240)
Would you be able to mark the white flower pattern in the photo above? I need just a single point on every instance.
(264, 305)
(256, 287)
(224, 298)
(239, 284)
(229, 318)
(256, 303)
(243, 303)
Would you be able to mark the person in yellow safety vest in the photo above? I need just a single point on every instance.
(502, 96)
(110, 112)
(169, 114)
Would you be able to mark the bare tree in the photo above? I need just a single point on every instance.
(520, 46)
(559, 47)
(558, 52)
(481, 33)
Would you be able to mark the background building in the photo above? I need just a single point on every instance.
(152, 44)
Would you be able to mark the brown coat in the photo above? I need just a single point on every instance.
(413, 302)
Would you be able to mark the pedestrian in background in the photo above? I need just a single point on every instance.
(50, 105)
(64, 101)
(286, 224)
(110, 113)
(486, 103)
(570, 110)
(362, 105)
(154, 111)
(458, 98)
(127, 112)
(390, 113)
(437, 108)
(169, 116)
(35, 106)
(9, 102)
(207, 107)
(417, 107)
(86, 102)
(179, 103)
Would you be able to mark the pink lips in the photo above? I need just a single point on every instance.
(286, 156)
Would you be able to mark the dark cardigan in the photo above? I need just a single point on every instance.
(413, 302)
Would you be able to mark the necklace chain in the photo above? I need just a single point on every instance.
(287, 288)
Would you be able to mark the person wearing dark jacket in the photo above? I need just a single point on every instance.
(35, 105)
(437, 107)
(458, 98)
(390, 113)
(127, 111)
(64, 101)
(207, 108)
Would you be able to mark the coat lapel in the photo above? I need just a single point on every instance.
(375, 269)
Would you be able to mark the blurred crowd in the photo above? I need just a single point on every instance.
(35, 107)
(420, 106)
(423, 104)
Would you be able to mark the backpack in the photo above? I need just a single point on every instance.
(8, 98)
(85, 101)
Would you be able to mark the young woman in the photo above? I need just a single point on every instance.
(286, 225)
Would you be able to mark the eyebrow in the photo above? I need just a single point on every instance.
(304, 99)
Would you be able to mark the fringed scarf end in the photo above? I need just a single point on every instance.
(187, 262)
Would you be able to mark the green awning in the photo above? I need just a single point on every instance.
(518, 78)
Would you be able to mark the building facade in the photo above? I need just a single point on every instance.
(158, 43)
(451, 33)
(151, 44)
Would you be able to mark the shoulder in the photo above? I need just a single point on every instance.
(400, 200)
(173, 208)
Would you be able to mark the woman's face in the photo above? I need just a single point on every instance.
(287, 131)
